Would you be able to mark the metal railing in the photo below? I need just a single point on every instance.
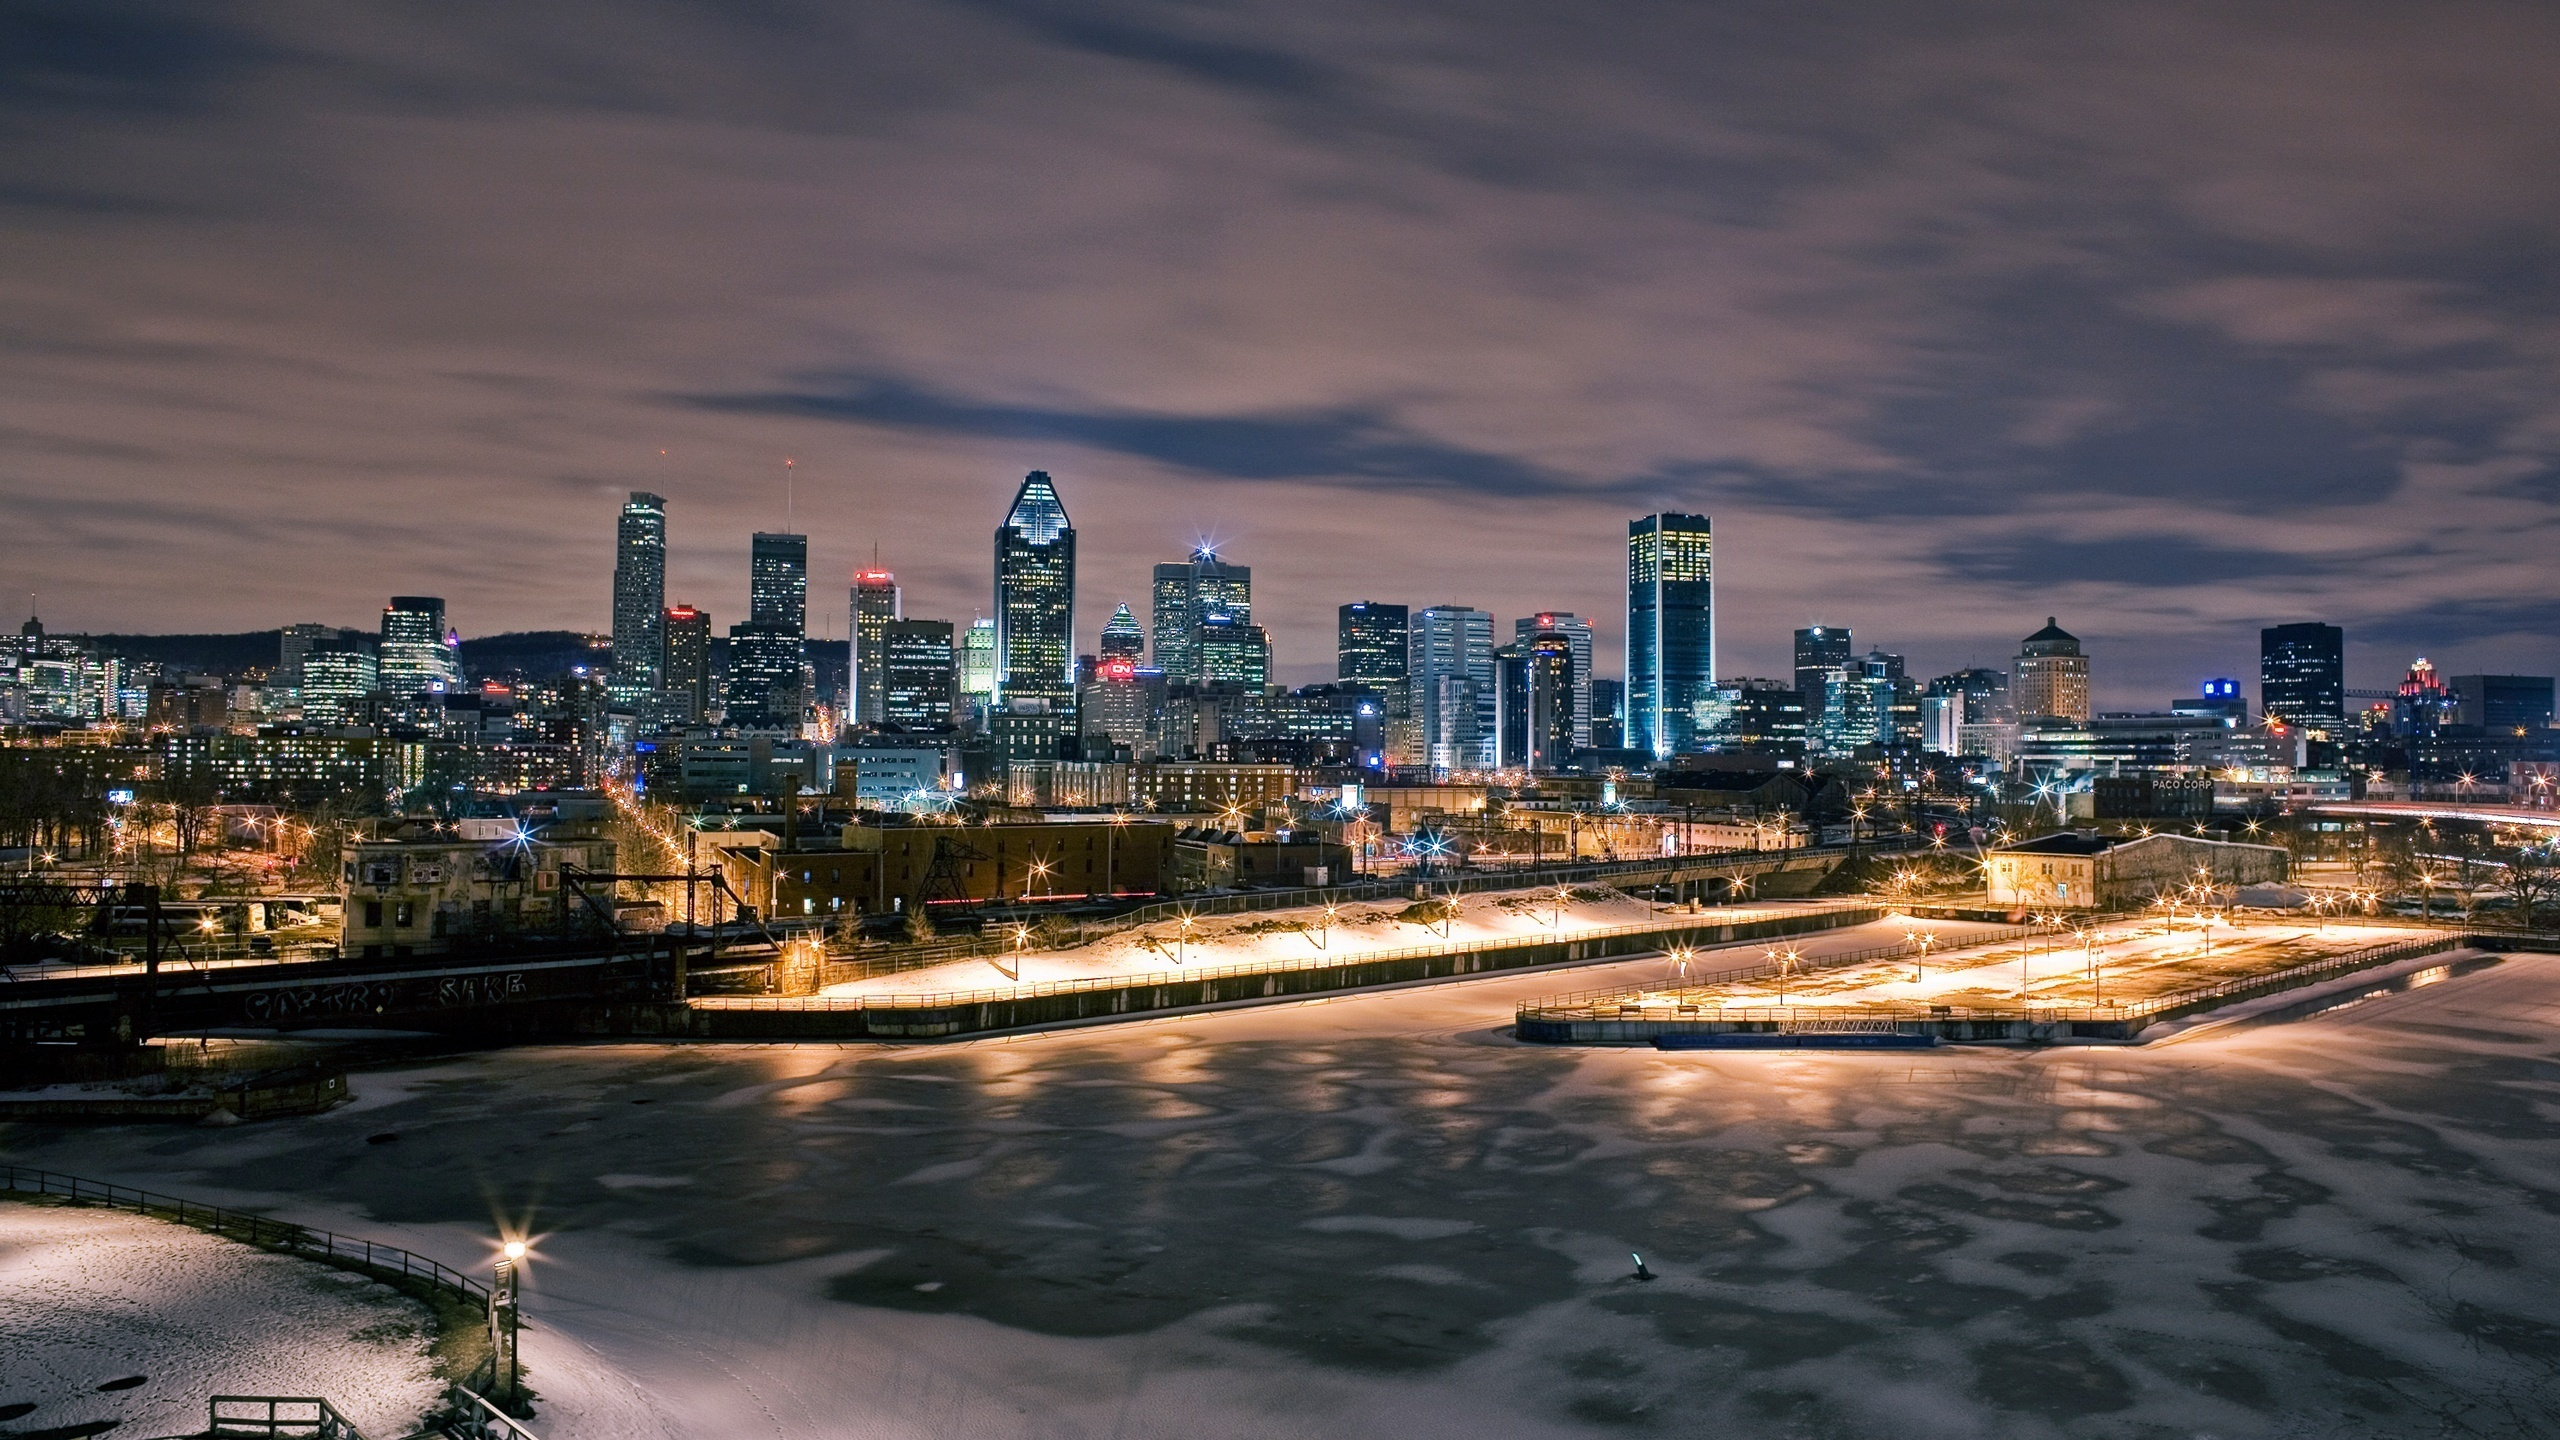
(278, 1415)
(259, 1230)
(1316, 961)
(1806, 965)
(475, 1418)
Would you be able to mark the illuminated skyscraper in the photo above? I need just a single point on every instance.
(1036, 598)
(1369, 644)
(639, 594)
(764, 676)
(978, 663)
(419, 655)
(1671, 629)
(2051, 676)
(918, 674)
(1186, 597)
(2302, 675)
(1449, 664)
(1820, 649)
(875, 603)
(778, 582)
(1123, 638)
(684, 667)
(1577, 633)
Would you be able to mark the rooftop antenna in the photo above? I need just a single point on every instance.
(790, 495)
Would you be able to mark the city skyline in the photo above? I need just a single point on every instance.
(2305, 377)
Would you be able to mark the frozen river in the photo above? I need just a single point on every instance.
(1377, 1216)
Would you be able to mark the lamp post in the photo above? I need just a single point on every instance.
(1182, 940)
(505, 1373)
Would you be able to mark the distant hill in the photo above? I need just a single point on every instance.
(533, 653)
(209, 654)
(523, 652)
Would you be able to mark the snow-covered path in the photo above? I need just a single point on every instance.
(1375, 1215)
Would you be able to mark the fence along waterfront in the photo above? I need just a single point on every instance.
(262, 1231)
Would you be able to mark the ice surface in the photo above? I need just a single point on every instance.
(1378, 1216)
(90, 1297)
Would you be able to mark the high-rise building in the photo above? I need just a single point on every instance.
(1953, 701)
(978, 663)
(1748, 714)
(919, 674)
(1119, 705)
(639, 594)
(1577, 633)
(1229, 651)
(875, 605)
(1369, 645)
(1123, 638)
(2051, 676)
(778, 582)
(2302, 675)
(2503, 704)
(1185, 597)
(419, 656)
(1449, 665)
(1036, 598)
(337, 675)
(295, 642)
(1671, 629)
(764, 676)
(684, 665)
(1819, 650)
(1537, 693)
(1608, 714)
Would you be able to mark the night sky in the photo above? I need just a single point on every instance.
(2171, 321)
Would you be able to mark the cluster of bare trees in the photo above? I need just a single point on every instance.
(55, 801)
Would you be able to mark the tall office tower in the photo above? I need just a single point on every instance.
(1036, 598)
(919, 674)
(2503, 704)
(764, 676)
(1185, 596)
(1745, 714)
(1120, 703)
(1671, 629)
(337, 675)
(639, 594)
(419, 655)
(1819, 649)
(684, 663)
(978, 663)
(1577, 632)
(1552, 685)
(1449, 665)
(875, 604)
(1608, 714)
(1369, 644)
(778, 582)
(1123, 638)
(1229, 651)
(2302, 675)
(296, 642)
(2051, 676)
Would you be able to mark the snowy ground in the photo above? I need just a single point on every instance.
(1375, 1215)
(92, 1297)
(1255, 940)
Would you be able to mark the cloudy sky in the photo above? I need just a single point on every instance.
(2171, 320)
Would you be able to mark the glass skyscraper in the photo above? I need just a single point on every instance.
(2302, 675)
(778, 582)
(1186, 597)
(875, 604)
(1036, 597)
(684, 666)
(418, 654)
(919, 674)
(1449, 664)
(639, 595)
(1369, 645)
(1820, 649)
(1577, 632)
(1671, 629)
